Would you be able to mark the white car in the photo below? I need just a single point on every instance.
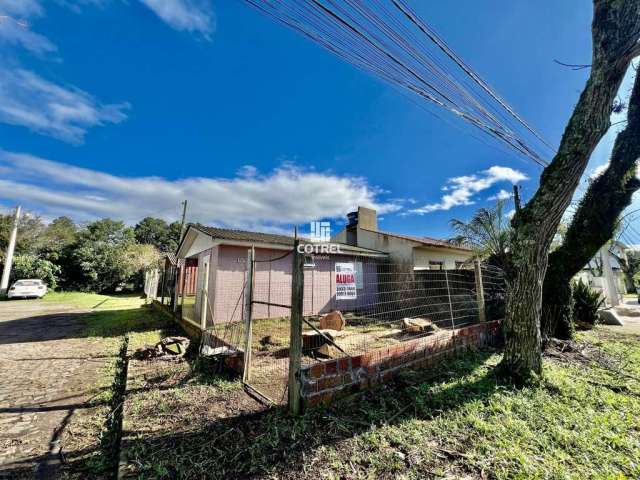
(28, 288)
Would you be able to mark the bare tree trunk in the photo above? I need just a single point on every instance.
(615, 28)
(593, 224)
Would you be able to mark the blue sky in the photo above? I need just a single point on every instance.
(122, 109)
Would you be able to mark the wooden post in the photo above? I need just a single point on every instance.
(479, 291)
(248, 297)
(295, 341)
(204, 296)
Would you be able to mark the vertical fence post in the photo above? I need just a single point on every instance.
(479, 291)
(446, 279)
(295, 341)
(248, 297)
(204, 297)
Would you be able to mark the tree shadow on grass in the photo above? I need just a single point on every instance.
(67, 325)
(270, 442)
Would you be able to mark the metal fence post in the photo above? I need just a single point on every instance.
(248, 297)
(479, 291)
(295, 341)
(446, 279)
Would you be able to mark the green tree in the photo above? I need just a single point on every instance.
(58, 235)
(156, 232)
(615, 28)
(30, 266)
(594, 223)
(98, 261)
(487, 233)
(30, 234)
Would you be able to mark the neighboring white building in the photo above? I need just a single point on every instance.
(594, 276)
(423, 253)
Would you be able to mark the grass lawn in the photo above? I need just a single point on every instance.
(94, 301)
(88, 441)
(582, 421)
(186, 421)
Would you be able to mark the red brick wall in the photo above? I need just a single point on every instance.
(324, 381)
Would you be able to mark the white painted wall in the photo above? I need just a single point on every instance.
(406, 251)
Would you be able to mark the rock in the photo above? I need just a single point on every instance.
(333, 320)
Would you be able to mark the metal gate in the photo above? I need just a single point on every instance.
(267, 326)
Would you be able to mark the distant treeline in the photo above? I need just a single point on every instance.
(101, 256)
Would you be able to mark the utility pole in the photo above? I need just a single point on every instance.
(8, 260)
(184, 217)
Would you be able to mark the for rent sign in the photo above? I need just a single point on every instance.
(345, 281)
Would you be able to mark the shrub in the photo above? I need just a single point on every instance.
(586, 305)
(30, 266)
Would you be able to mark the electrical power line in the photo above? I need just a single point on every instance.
(389, 40)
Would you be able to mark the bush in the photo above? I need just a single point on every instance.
(586, 305)
(30, 266)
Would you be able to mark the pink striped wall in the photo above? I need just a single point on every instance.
(273, 284)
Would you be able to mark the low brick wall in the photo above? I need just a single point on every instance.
(322, 382)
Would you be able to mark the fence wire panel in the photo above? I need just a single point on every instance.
(380, 304)
(391, 303)
(494, 287)
(270, 324)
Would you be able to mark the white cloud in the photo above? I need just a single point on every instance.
(65, 113)
(15, 16)
(187, 15)
(21, 8)
(501, 195)
(462, 189)
(285, 196)
(599, 170)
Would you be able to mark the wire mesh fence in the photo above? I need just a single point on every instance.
(351, 305)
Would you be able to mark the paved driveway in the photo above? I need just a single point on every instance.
(46, 371)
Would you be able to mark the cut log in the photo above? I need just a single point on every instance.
(329, 351)
(312, 341)
(417, 325)
(333, 320)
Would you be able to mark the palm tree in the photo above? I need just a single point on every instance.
(487, 233)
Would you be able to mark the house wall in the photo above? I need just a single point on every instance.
(406, 251)
(598, 283)
(422, 256)
(272, 284)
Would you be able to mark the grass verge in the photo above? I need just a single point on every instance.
(90, 440)
(582, 422)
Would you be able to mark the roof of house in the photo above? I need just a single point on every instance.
(427, 241)
(245, 236)
(269, 238)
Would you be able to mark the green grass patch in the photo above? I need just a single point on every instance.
(113, 321)
(581, 422)
(94, 300)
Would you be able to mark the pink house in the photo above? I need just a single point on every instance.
(221, 259)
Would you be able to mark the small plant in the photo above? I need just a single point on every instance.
(586, 304)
